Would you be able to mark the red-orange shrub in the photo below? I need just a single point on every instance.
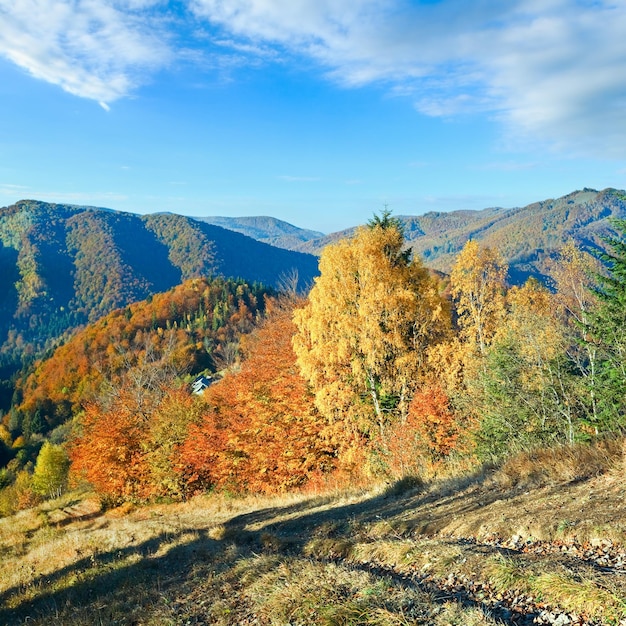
(128, 449)
(430, 433)
(262, 432)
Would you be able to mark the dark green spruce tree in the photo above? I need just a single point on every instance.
(608, 333)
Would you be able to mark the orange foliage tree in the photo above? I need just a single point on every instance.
(262, 432)
(127, 447)
(431, 432)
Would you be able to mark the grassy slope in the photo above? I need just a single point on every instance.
(544, 535)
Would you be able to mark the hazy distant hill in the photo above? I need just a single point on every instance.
(266, 229)
(526, 236)
(64, 265)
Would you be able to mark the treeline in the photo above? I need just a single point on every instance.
(379, 372)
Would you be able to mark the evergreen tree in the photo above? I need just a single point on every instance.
(609, 335)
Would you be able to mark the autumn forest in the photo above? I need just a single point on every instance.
(383, 370)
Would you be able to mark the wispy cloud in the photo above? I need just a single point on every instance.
(552, 69)
(548, 69)
(101, 198)
(299, 179)
(97, 49)
(460, 201)
(506, 166)
(13, 191)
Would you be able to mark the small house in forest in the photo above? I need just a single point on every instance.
(200, 384)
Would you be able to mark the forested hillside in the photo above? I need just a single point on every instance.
(195, 327)
(383, 370)
(379, 373)
(527, 237)
(62, 266)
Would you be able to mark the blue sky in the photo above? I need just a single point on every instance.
(318, 112)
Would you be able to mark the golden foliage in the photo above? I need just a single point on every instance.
(477, 285)
(363, 335)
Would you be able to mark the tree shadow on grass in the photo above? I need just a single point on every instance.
(418, 510)
(113, 585)
(123, 586)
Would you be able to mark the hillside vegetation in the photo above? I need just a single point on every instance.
(195, 327)
(63, 266)
(539, 540)
(375, 374)
(527, 237)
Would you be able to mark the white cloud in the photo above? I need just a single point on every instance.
(95, 49)
(100, 198)
(548, 69)
(13, 191)
(553, 70)
(564, 75)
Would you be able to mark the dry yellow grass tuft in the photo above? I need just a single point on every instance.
(549, 466)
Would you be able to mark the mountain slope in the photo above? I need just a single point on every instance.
(527, 237)
(266, 229)
(184, 329)
(63, 265)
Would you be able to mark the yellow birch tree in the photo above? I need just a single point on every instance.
(363, 334)
(477, 284)
(574, 274)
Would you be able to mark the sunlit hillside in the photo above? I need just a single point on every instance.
(528, 237)
(539, 540)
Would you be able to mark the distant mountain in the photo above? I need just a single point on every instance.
(64, 265)
(527, 237)
(266, 229)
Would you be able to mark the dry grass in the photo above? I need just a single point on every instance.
(537, 468)
(582, 591)
(358, 557)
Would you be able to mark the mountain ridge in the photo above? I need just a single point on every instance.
(65, 265)
(528, 237)
(267, 229)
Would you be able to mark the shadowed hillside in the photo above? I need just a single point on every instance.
(62, 266)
